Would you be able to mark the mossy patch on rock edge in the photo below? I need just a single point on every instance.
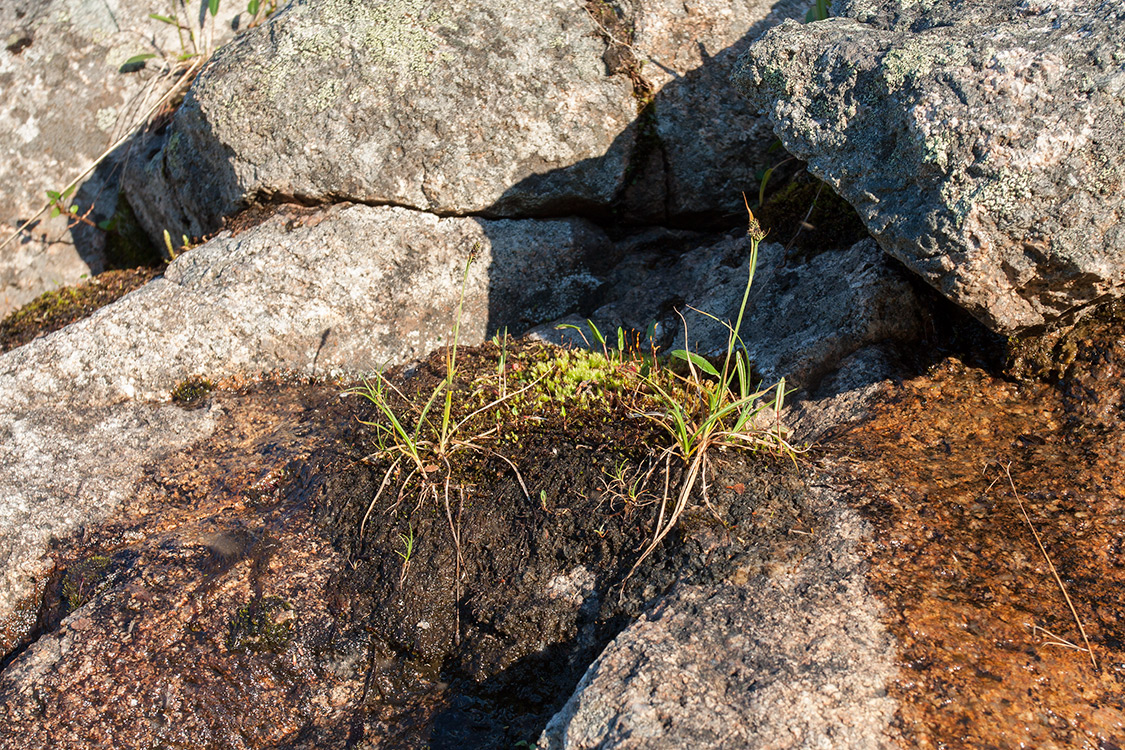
(192, 390)
(57, 309)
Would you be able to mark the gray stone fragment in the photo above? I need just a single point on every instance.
(452, 106)
(795, 657)
(65, 100)
(980, 142)
(712, 141)
(350, 288)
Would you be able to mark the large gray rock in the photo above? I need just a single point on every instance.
(65, 100)
(981, 142)
(439, 106)
(792, 656)
(465, 106)
(350, 288)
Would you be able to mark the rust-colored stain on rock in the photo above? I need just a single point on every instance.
(991, 655)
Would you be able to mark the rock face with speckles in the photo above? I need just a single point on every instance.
(67, 95)
(441, 106)
(981, 142)
(468, 107)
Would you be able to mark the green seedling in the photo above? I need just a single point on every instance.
(500, 339)
(259, 11)
(406, 553)
(629, 486)
(423, 442)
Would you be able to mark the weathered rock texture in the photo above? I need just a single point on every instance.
(711, 142)
(65, 100)
(793, 655)
(348, 288)
(438, 106)
(464, 106)
(981, 142)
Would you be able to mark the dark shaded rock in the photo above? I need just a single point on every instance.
(712, 142)
(980, 142)
(234, 600)
(802, 322)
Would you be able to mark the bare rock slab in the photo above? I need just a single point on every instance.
(791, 656)
(981, 143)
(351, 288)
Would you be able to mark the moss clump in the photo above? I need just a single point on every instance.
(84, 579)
(1050, 356)
(51, 311)
(192, 391)
(263, 625)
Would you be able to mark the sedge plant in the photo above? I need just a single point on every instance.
(426, 441)
(713, 408)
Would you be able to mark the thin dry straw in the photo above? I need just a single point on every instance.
(1051, 565)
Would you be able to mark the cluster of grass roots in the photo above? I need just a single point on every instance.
(433, 438)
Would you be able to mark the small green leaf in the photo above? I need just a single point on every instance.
(53, 196)
(164, 19)
(108, 225)
(597, 334)
(55, 211)
(696, 360)
(68, 192)
(74, 209)
(253, 7)
(213, 6)
(137, 59)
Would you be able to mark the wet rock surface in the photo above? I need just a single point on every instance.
(989, 652)
(235, 601)
(979, 142)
